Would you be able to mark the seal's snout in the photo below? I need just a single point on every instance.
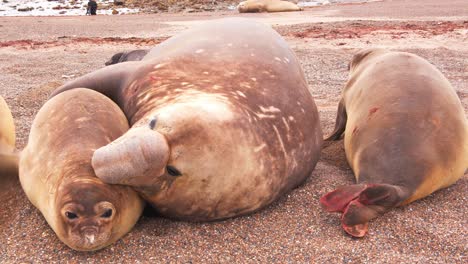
(133, 158)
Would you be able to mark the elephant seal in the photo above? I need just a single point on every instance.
(56, 174)
(132, 55)
(406, 135)
(222, 121)
(8, 156)
(258, 6)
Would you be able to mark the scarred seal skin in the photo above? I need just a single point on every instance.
(57, 177)
(406, 135)
(258, 6)
(222, 121)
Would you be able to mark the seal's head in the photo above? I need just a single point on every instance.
(241, 7)
(132, 55)
(114, 59)
(87, 215)
(250, 7)
(362, 56)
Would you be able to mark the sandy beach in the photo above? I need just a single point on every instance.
(38, 54)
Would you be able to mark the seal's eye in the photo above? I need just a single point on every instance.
(107, 213)
(173, 171)
(71, 215)
(152, 123)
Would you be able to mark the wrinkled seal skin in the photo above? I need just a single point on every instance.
(132, 55)
(406, 135)
(258, 6)
(8, 156)
(57, 177)
(222, 121)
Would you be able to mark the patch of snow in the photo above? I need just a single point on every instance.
(56, 8)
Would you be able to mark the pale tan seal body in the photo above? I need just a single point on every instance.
(222, 121)
(8, 158)
(57, 177)
(406, 135)
(258, 6)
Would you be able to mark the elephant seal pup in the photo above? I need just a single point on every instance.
(258, 6)
(57, 177)
(406, 135)
(132, 55)
(222, 121)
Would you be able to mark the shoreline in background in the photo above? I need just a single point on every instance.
(108, 7)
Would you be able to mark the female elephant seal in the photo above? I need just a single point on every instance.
(222, 121)
(258, 6)
(56, 173)
(406, 135)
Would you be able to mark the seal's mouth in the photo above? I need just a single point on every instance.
(91, 238)
(89, 235)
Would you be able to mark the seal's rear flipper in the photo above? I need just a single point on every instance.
(361, 203)
(340, 123)
(108, 80)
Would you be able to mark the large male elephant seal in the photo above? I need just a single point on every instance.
(406, 135)
(258, 6)
(222, 121)
(56, 173)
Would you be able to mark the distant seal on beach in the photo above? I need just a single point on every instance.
(222, 121)
(131, 55)
(8, 156)
(258, 6)
(57, 177)
(406, 135)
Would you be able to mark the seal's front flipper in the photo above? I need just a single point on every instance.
(361, 203)
(137, 158)
(340, 123)
(108, 80)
